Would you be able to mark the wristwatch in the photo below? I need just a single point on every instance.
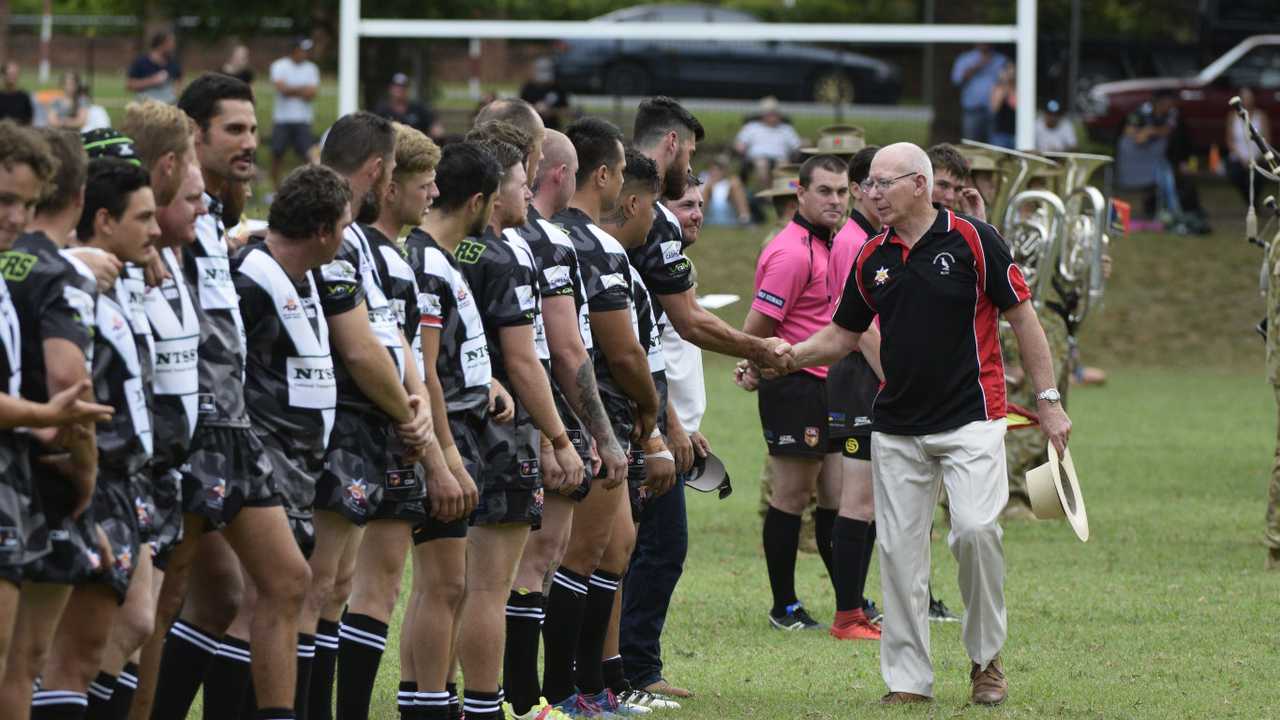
(1050, 396)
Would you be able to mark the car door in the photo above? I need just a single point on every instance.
(714, 68)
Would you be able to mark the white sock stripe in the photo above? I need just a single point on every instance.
(100, 691)
(528, 612)
(193, 630)
(379, 646)
(45, 698)
(347, 631)
(127, 677)
(328, 642)
(604, 583)
(473, 705)
(306, 653)
(194, 637)
(233, 652)
(615, 657)
(569, 584)
(131, 682)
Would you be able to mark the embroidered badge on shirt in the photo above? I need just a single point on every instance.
(882, 275)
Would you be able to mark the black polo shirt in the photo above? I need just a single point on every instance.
(939, 305)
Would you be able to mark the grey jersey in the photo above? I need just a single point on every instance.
(122, 372)
(175, 331)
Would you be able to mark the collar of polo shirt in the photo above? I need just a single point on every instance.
(822, 233)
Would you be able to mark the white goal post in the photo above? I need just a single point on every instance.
(1023, 34)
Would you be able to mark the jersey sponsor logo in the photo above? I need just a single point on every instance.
(556, 275)
(312, 373)
(217, 275)
(679, 268)
(524, 297)
(15, 265)
(811, 436)
(882, 275)
(770, 298)
(943, 261)
(469, 251)
(851, 446)
(613, 280)
(671, 251)
(786, 440)
(9, 539)
(176, 357)
(338, 271)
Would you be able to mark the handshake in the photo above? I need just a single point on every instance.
(775, 358)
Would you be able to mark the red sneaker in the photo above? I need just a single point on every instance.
(853, 625)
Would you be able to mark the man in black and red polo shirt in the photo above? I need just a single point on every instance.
(939, 283)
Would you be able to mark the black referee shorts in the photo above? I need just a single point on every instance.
(852, 387)
(793, 415)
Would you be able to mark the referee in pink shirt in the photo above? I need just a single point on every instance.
(791, 302)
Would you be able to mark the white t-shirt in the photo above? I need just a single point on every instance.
(1058, 139)
(686, 389)
(762, 141)
(293, 109)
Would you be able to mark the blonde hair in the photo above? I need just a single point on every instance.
(156, 129)
(415, 152)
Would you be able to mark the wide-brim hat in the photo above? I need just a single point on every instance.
(782, 185)
(1055, 492)
(709, 475)
(979, 160)
(838, 140)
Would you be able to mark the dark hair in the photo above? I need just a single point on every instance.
(860, 163)
(465, 168)
(641, 173)
(21, 145)
(945, 156)
(513, 111)
(658, 116)
(110, 183)
(159, 38)
(309, 202)
(200, 99)
(596, 142)
(507, 155)
(830, 163)
(692, 181)
(504, 132)
(73, 168)
(355, 138)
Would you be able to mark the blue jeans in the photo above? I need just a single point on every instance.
(1167, 188)
(975, 123)
(662, 542)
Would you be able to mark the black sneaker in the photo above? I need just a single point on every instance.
(873, 612)
(797, 618)
(939, 612)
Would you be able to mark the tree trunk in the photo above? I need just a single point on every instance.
(4, 28)
(946, 97)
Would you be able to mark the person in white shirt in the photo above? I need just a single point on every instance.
(1240, 147)
(296, 80)
(1055, 132)
(767, 140)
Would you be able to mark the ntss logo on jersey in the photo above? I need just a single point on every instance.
(475, 355)
(178, 357)
(306, 373)
(217, 275)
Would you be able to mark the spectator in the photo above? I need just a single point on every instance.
(397, 107)
(843, 141)
(766, 140)
(155, 74)
(726, 198)
(1004, 109)
(71, 111)
(237, 64)
(296, 80)
(1240, 147)
(1054, 132)
(1142, 154)
(545, 94)
(15, 103)
(975, 72)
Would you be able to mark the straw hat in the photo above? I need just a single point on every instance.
(782, 185)
(769, 104)
(1055, 492)
(838, 140)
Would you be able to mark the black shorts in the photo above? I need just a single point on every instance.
(852, 387)
(73, 557)
(509, 481)
(302, 525)
(365, 476)
(636, 490)
(793, 415)
(166, 506)
(854, 447)
(295, 135)
(24, 536)
(226, 469)
(432, 529)
(116, 511)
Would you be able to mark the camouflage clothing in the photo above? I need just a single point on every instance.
(115, 509)
(1026, 449)
(509, 481)
(226, 469)
(363, 472)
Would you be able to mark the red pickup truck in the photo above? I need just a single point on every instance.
(1202, 99)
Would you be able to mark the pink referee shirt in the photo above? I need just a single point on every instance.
(791, 283)
(844, 251)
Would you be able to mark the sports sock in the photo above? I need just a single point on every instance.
(436, 705)
(187, 653)
(781, 543)
(848, 537)
(482, 705)
(455, 705)
(275, 714)
(58, 705)
(615, 676)
(302, 688)
(126, 686)
(249, 704)
(520, 661)
(227, 678)
(101, 689)
(595, 625)
(407, 700)
(561, 631)
(320, 694)
(823, 520)
(361, 640)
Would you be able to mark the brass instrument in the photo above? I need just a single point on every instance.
(1035, 223)
(1014, 169)
(1080, 263)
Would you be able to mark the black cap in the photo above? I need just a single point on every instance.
(109, 142)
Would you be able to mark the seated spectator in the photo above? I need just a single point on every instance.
(237, 64)
(1055, 132)
(15, 103)
(725, 197)
(766, 140)
(71, 111)
(1241, 149)
(545, 94)
(398, 107)
(1142, 153)
(1004, 108)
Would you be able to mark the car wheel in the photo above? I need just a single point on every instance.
(832, 86)
(626, 79)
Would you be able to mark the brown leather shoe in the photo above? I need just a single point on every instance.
(904, 698)
(989, 686)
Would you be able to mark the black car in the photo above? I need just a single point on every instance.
(711, 68)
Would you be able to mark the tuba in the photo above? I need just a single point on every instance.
(1080, 260)
(1035, 222)
(1013, 168)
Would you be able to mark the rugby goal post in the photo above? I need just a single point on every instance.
(353, 27)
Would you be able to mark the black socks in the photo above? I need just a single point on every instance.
(186, 655)
(320, 694)
(781, 543)
(520, 661)
(361, 642)
(849, 539)
(595, 625)
(561, 632)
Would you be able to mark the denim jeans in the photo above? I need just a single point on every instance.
(975, 123)
(662, 541)
(1167, 188)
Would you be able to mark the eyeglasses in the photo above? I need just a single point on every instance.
(882, 185)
